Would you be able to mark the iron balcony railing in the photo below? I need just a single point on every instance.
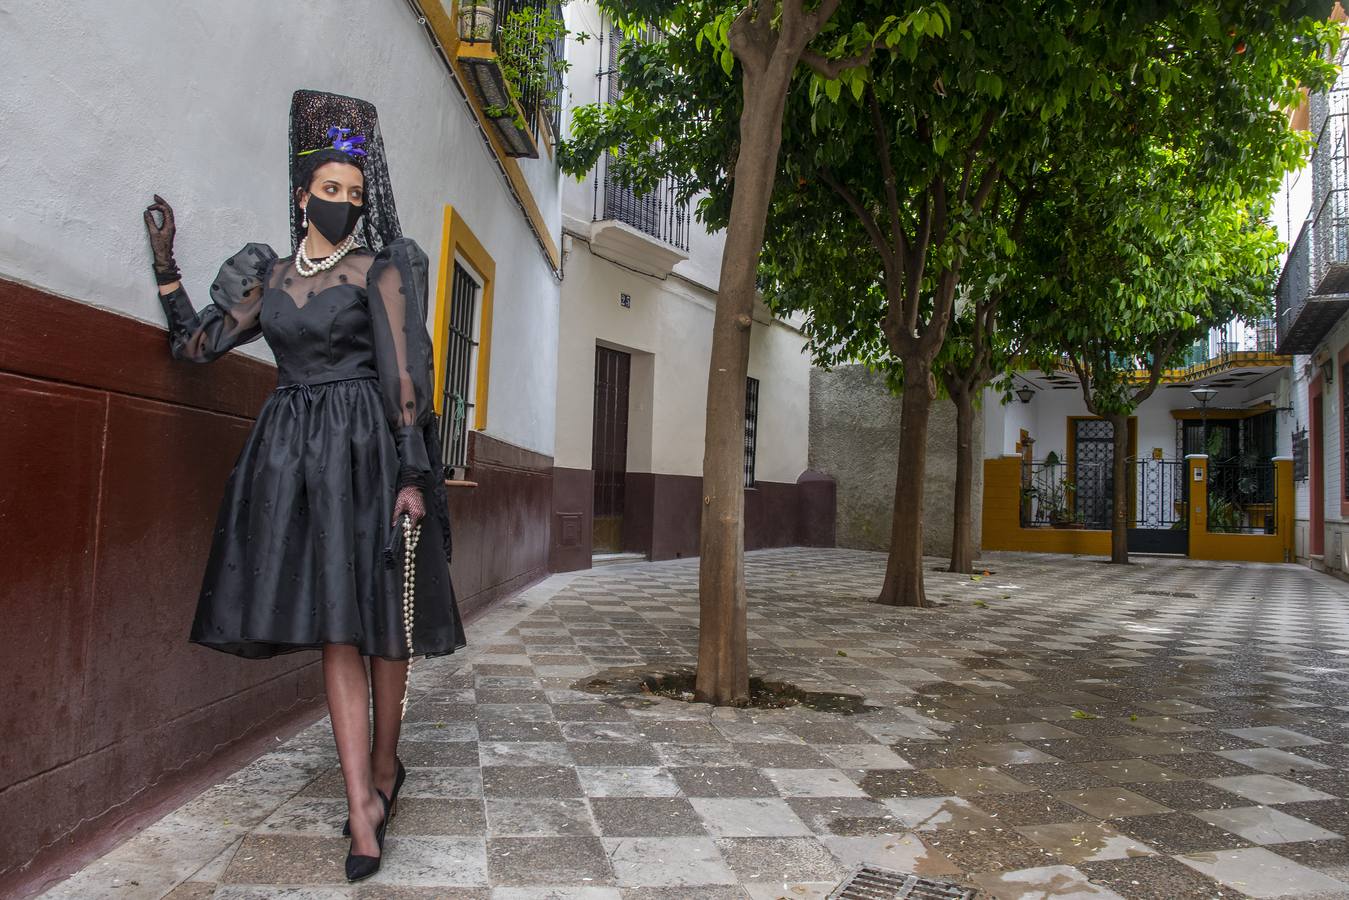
(1294, 283)
(1330, 189)
(1258, 336)
(662, 212)
(512, 29)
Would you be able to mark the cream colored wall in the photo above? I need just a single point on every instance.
(668, 329)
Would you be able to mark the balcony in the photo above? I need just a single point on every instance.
(509, 53)
(1313, 290)
(647, 231)
(1304, 317)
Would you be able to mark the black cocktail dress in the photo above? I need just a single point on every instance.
(298, 555)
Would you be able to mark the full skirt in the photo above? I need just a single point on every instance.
(298, 555)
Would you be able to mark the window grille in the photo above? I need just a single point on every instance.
(751, 427)
(460, 359)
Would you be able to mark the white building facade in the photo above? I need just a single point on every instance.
(635, 336)
(1313, 300)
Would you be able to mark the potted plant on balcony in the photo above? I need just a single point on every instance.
(528, 68)
(476, 22)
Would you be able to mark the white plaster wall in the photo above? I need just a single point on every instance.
(108, 103)
(1003, 423)
(671, 321)
(777, 358)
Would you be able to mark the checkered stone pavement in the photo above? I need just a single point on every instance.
(1059, 727)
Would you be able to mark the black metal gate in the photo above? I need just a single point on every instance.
(1159, 504)
(1093, 474)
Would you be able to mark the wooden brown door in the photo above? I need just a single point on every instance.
(609, 448)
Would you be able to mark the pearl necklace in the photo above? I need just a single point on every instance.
(307, 267)
(411, 534)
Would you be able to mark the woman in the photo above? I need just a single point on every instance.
(304, 546)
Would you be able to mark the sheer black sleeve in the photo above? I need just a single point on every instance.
(403, 352)
(232, 317)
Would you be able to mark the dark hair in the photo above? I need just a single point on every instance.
(313, 161)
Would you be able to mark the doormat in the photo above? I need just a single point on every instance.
(867, 882)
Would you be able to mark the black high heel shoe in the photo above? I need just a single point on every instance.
(360, 867)
(393, 797)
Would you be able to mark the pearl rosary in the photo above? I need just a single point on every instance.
(411, 534)
(306, 266)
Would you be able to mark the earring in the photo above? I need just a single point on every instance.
(304, 217)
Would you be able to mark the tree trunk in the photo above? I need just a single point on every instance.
(1119, 521)
(962, 529)
(723, 664)
(904, 571)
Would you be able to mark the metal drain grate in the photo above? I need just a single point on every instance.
(874, 883)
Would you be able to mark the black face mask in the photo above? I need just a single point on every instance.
(332, 219)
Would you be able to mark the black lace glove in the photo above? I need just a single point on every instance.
(161, 240)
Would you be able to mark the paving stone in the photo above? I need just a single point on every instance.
(1269, 759)
(1154, 878)
(538, 817)
(748, 817)
(1027, 808)
(1257, 872)
(1132, 771)
(548, 860)
(1110, 802)
(836, 815)
(1263, 825)
(722, 781)
(881, 783)
(687, 862)
(1179, 832)
(1079, 842)
(646, 817)
(989, 851)
(813, 783)
(1209, 689)
(774, 859)
(1269, 789)
(973, 781)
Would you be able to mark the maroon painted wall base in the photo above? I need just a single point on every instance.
(662, 513)
(115, 460)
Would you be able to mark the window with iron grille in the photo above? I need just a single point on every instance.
(751, 427)
(461, 359)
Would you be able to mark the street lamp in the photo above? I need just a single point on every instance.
(1203, 395)
(1026, 392)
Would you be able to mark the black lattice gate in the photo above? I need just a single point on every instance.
(1159, 516)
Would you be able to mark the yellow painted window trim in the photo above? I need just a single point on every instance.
(458, 241)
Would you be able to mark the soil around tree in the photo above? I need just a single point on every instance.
(678, 684)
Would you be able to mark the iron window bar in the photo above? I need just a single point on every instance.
(460, 349)
(751, 427)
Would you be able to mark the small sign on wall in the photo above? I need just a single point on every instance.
(1198, 474)
(625, 301)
